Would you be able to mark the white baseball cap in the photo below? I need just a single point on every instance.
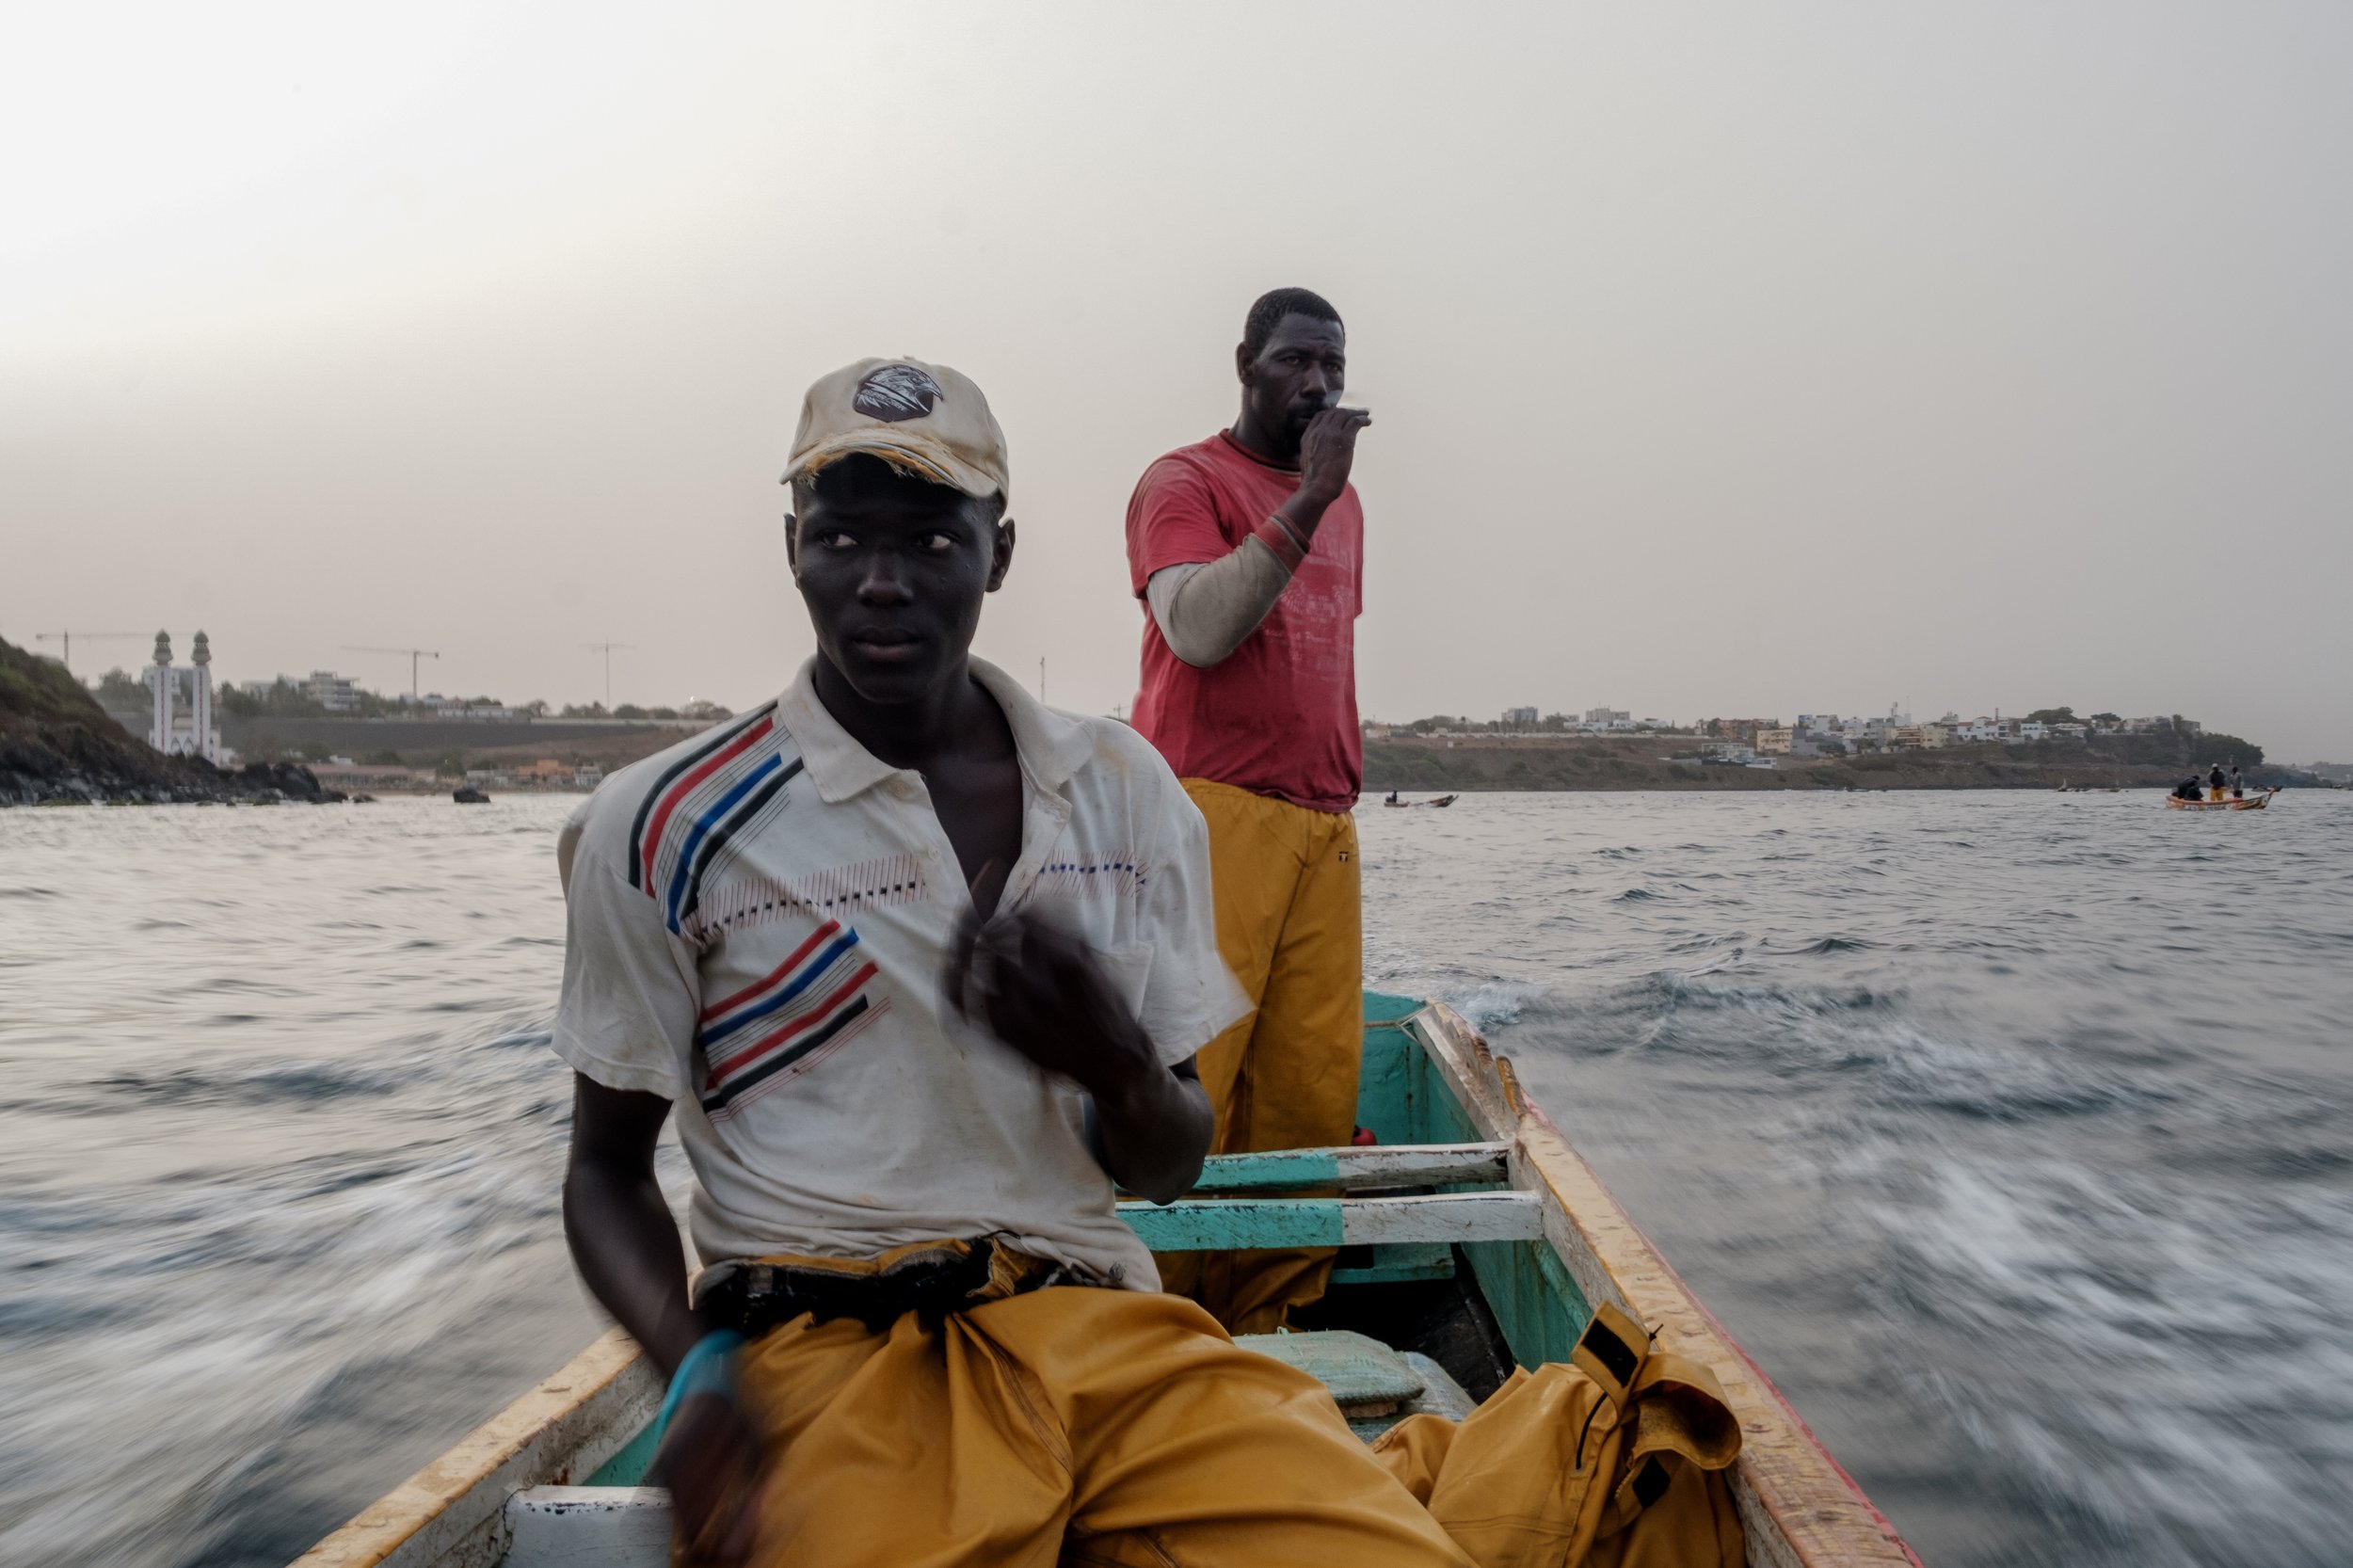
(920, 418)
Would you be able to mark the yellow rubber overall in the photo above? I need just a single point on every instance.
(1122, 1429)
(1290, 927)
(1068, 1426)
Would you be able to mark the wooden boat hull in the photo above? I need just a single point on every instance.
(2251, 803)
(566, 1458)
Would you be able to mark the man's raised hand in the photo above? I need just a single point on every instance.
(1327, 450)
(1037, 988)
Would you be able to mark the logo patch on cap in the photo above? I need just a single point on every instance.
(896, 392)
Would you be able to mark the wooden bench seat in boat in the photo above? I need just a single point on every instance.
(1410, 1236)
(1375, 1386)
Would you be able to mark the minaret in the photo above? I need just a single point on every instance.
(207, 745)
(159, 682)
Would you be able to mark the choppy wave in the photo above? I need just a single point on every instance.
(1495, 1004)
(256, 1266)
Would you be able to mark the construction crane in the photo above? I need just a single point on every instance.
(413, 653)
(606, 648)
(65, 640)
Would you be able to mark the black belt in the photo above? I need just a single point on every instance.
(756, 1297)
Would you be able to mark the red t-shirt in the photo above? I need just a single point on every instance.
(1278, 716)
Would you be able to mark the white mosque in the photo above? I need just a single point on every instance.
(181, 720)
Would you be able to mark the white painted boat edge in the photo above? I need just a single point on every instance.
(452, 1513)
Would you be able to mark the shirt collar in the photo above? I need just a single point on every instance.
(1228, 437)
(1052, 745)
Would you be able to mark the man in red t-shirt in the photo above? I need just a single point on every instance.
(1248, 550)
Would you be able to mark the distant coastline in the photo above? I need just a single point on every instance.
(1421, 764)
(59, 744)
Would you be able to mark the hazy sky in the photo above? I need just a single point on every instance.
(1735, 359)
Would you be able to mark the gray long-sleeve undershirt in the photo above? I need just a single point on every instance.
(1205, 608)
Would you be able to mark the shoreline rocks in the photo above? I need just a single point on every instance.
(59, 747)
(37, 770)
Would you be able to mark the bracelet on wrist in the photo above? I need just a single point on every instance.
(1278, 535)
(708, 1369)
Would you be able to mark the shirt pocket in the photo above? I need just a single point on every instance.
(1129, 967)
(1174, 1029)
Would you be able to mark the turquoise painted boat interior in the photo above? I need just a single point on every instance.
(1536, 1303)
(1399, 1097)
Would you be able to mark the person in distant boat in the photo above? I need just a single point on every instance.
(1247, 551)
(2215, 783)
(2238, 785)
(1392, 797)
(923, 966)
(2187, 788)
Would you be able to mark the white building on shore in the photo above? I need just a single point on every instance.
(180, 720)
(332, 692)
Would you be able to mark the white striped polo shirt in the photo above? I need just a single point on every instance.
(757, 921)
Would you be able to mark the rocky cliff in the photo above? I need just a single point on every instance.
(58, 746)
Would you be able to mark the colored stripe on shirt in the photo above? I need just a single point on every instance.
(719, 1104)
(661, 797)
(716, 844)
(673, 797)
(774, 998)
(728, 1004)
(823, 1021)
(674, 902)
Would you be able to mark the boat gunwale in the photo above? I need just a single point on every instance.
(451, 1512)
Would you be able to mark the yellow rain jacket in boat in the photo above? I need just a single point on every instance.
(1615, 1459)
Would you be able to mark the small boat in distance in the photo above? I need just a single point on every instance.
(1441, 800)
(2249, 803)
(1473, 1239)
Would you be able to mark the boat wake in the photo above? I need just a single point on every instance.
(2027, 1238)
(2030, 1181)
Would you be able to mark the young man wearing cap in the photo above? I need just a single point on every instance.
(1248, 550)
(920, 965)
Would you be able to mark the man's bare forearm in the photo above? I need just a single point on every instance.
(622, 1236)
(1305, 511)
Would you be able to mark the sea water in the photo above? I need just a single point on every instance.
(2012, 1133)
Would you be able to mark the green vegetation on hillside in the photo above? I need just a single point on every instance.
(696, 710)
(2171, 748)
(33, 690)
(55, 741)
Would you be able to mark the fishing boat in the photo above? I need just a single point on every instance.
(1473, 1238)
(1441, 800)
(2250, 803)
